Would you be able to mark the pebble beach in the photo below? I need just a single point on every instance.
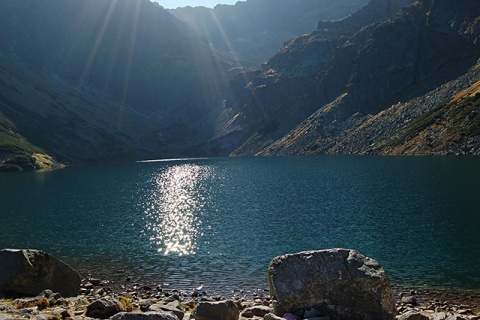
(137, 297)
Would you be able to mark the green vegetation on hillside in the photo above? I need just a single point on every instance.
(16, 154)
(452, 126)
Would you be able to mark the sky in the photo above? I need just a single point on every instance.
(173, 4)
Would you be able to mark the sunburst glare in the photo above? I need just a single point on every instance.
(173, 210)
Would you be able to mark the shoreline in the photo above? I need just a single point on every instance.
(430, 302)
(123, 280)
(425, 297)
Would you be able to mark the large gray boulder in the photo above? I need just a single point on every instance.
(29, 272)
(339, 283)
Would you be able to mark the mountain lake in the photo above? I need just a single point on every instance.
(217, 222)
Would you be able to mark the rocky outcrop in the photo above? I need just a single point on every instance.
(381, 65)
(218, 310)
(339, 283)
(29, 272)
(308, 72)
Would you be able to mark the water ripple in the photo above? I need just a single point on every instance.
(174, 207)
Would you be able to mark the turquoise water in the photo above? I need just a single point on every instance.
(218, 222)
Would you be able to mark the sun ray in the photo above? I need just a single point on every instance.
(97, 43)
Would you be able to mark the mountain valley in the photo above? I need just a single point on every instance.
(89, 81)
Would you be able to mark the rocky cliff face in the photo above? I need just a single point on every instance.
(306, 73)
(255, 30)
(386, 63)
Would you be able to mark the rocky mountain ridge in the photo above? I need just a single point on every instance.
(121, 81)
(383, 64)
(254, 30)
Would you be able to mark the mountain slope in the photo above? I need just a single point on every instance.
(255, 29)
(268, 102)
(443, 121)
(396, 60)
(104, 80)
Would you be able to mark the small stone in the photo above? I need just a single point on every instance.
(409, 300)
(464, 311)
(455, 317)
(94, 281)
(64, 313)
(291, 316)
(412, 315)
(144, 316)
(439, 316)
(257, 311)
(87, 285)
(311, 313)
(247, 313)
(144, 305)
(103, 308)
(271, 316)
(221, 310)
(167, 308)
(189, 305)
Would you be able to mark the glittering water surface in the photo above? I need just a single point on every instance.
(174, 208)
(218, 222)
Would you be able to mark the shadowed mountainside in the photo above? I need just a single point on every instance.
(255, 29)
(107, 80)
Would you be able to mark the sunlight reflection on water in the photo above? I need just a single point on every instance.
(174, 208)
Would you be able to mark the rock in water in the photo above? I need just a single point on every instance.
(339, 283)
(29, 272)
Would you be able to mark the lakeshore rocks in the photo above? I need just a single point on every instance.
(29, 272)
(256, 311)
(147, 301)
(218, 310)
(170, 307)
(339, 283)
(103, 308)
(159, 315)
(413, 315)
(140, 300)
